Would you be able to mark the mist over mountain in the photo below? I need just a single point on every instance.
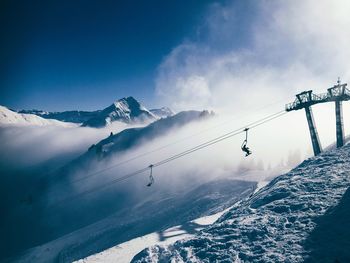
(46, 190)
(135, 136)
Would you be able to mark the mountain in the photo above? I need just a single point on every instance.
(66, 116)
(163, 112)
(8, 117)
(135, 136)
(123, 210)
(126, 110)
(127, 140)
(302, 216)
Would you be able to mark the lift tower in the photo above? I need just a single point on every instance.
(339, 93)
(305, 100)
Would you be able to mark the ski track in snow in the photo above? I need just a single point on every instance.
(124, 252)
(273, 224)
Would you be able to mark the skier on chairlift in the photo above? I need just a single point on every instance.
(151, 179)
(244, 144)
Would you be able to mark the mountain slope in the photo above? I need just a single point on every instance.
(66, 116)
(163, 112)
(126, 110)
(135, 136)
(330, 241)
(8, 117)
(155, 211)
(118, 199)
(276, 223)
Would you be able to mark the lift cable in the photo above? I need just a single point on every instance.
(153, 151)
(136, 157)
(174, 157)
(221, 138)
(90, 175)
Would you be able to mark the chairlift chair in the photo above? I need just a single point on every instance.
(151, 179)
(244, 146)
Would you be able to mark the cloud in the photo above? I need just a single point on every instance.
(246, 54)
(34, 145)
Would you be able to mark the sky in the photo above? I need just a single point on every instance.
(60, 55)
(257, 52)
(225, 56)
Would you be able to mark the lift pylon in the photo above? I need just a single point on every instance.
(339, 93)
(316, 145)
(304, 100)
(339, 123)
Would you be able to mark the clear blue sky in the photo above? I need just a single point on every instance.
(81, 54)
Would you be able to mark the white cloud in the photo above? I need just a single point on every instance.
(288, 46)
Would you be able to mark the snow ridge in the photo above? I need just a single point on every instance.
(163, 112)
(75, 116)
(273, 224)
(8, 117)
(125, 110)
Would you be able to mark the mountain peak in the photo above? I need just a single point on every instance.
(129, 104)
(128, 100)
(127, 110)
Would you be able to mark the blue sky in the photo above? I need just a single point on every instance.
(197, 54)
(60, 55)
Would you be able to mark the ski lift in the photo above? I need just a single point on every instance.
(151, 179)
(244, 146)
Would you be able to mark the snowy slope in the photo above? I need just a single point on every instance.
(150, 213)
(123, 253)
(126, 110)
(280, 223)
(8, 117)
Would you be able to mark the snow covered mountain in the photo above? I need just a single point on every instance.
(66, 116)
(124, 210)
(126, 110)
(134, 136)
(302, 216)
(163, 112)
(8, 117)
